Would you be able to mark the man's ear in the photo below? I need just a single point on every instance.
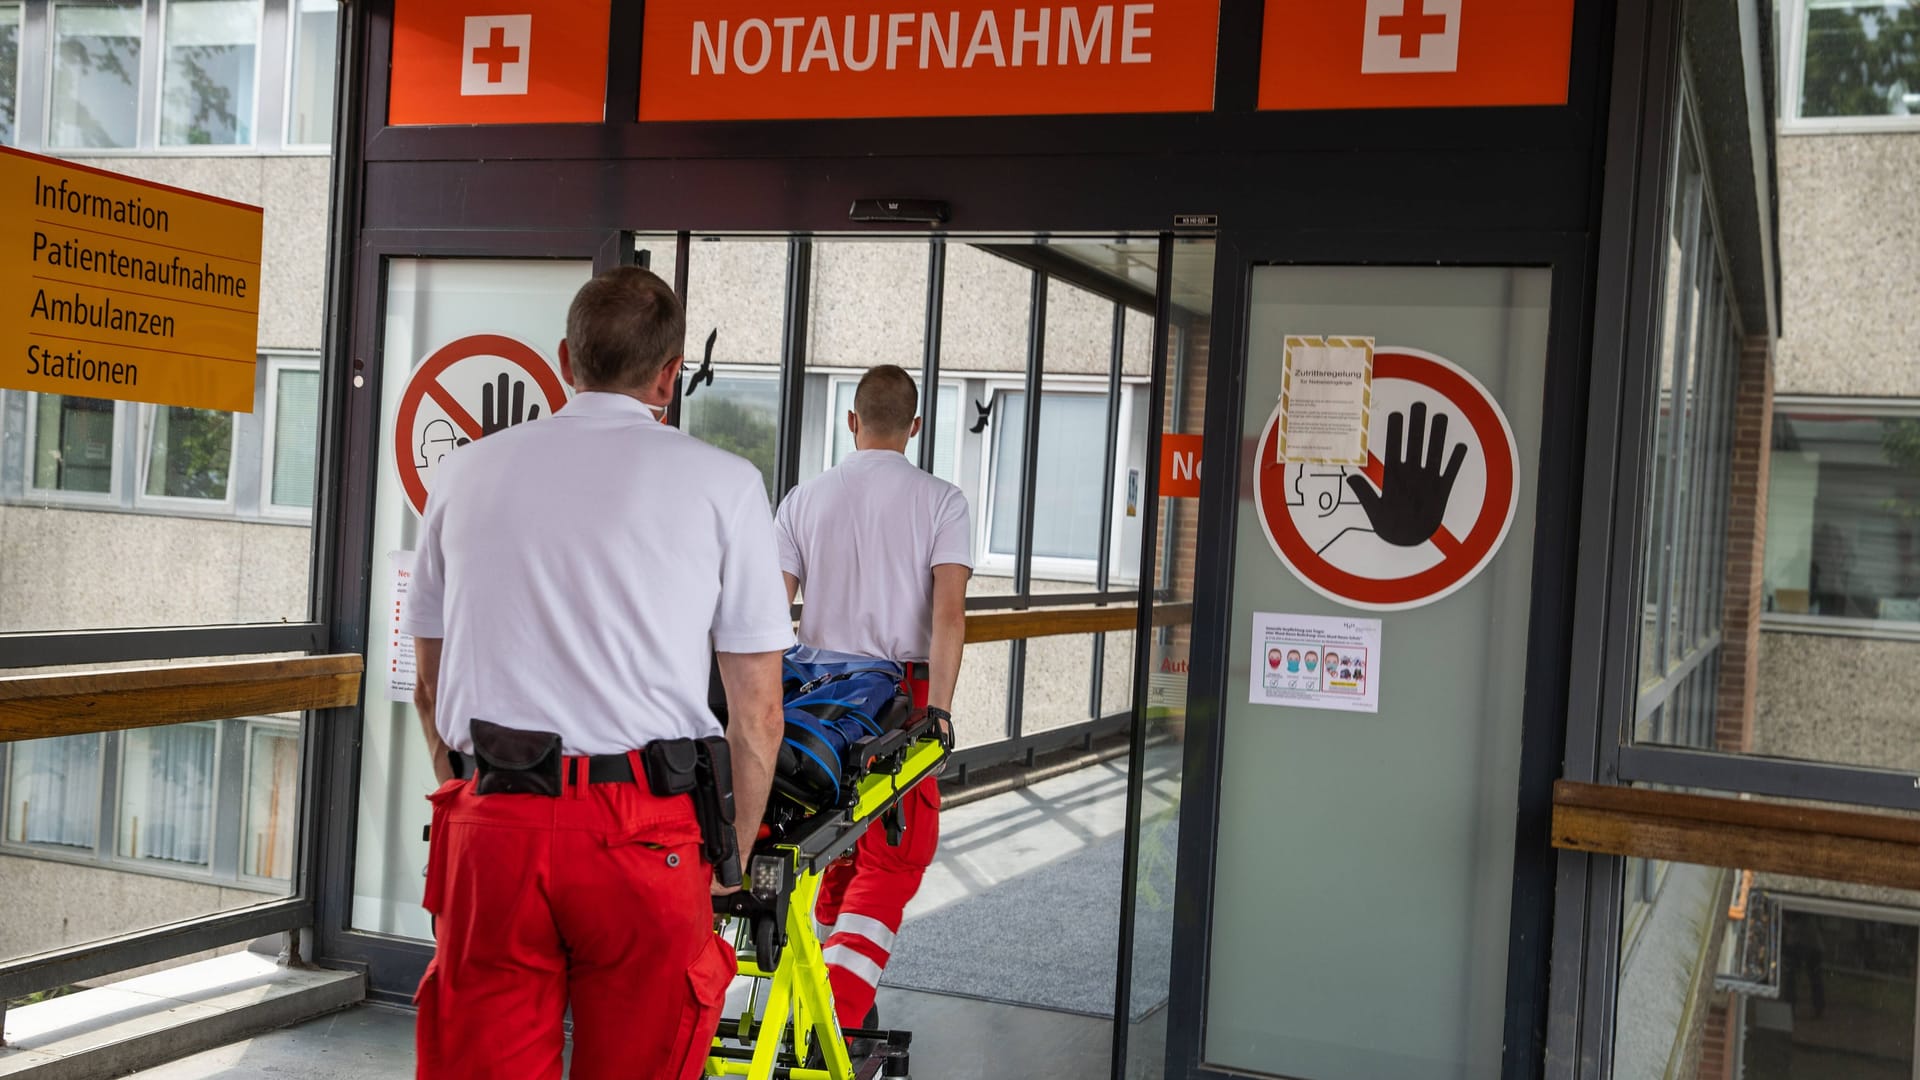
(853, 423)
(566, 364)
(913, 429)
(669, 377)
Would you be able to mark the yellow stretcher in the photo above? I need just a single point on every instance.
(796, 1036)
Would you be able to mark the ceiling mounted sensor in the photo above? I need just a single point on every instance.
(900, 211)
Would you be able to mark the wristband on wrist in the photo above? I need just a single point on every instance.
(944, 731)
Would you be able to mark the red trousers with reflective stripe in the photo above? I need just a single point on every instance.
(863, 898)
(596, 900)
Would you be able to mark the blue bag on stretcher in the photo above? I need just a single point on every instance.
(833, 700)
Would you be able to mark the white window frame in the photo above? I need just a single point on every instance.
(111, 498)
(160, 87)
(1792, 35)
(180, 504)
(19, 9)
(196, 871)
(1053, 567)
(1834, 625)
(144, 100)
(836, 419)
(248, 726)
(292, 66)
(270, 416)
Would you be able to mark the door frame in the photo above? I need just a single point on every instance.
(1569, 256)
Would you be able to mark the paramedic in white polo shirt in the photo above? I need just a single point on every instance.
(572, 575)
(881, 552)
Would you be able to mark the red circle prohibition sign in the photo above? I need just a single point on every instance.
(1461, 556)
(425, 383)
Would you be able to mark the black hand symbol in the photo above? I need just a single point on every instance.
(1412, 499)
(493, 407)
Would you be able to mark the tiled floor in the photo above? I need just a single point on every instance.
(983, 843)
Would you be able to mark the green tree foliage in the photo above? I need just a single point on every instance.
(1900, 440)
(1862, 60)
(9, 70)
(736, 428)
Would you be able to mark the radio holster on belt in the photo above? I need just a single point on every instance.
(515, 762)
(702, 768)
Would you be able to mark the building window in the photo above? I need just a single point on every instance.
(1843, 514)
(9, 74)
(273, 785)
(73, 444)
(293, 433)
(1845, 1006)
(166, 793)
(53, 791)
(739, 414)
(189, 454)
(1860, 58)
(316, 34)
(945, 452)
(96, 75)
(1067, 482)
(208, 86)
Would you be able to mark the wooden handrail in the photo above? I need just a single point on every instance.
(984, 626)
(1805, 841)
(77, 703)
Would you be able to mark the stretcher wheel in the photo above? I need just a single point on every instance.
(766, 944)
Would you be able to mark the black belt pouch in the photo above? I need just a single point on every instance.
(515, 762)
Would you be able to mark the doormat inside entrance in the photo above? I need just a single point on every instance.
(1048, 938)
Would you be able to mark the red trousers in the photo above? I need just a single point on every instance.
(596, 900)
(862, 898)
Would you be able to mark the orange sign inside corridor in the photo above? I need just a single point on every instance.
(1382, 54)
(499, 61)
(842, 59)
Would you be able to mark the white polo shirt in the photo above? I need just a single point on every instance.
(579, 569)
(863, 538)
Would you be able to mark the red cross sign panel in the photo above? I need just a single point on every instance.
(1426, 514)
(469, 387)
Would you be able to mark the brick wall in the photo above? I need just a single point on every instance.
(1186, 512)
(1746, 547)
(1716, 1043)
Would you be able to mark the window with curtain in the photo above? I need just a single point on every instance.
(96, 74)
(73, 444)
(316, 31)
(189, 454)
(9, 73)
(53, 791)
(738, 414)
(945, 452)
(166, 793)
(1843, 514)
(273, 785)
(1067, 482)
(1861, 58)
(296, 437)
(207, 89)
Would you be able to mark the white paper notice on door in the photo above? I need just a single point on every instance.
(1326, 401)
(1316, 662)
(400, 667)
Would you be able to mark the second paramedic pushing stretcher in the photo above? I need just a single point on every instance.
(571, 576)
(882, 552)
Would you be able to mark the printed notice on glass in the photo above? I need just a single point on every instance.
(400, 667)
(1316, 662)
(1326, 401)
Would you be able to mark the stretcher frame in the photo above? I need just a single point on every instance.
(798, 1035)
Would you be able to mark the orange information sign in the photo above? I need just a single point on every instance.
(1180, 465)
(499, 61)
(842, 59)
(119, 288)
(1382, 54)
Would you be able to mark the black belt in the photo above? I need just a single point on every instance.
(601, 768)
(917, 671)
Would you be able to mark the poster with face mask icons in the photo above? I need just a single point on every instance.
(466, 389)
(1316, 662)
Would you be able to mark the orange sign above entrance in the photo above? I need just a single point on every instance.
(499, 61)
(1383, 54)
(843, 59)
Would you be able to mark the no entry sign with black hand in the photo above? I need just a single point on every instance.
(469, 388)
(1426, 514)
